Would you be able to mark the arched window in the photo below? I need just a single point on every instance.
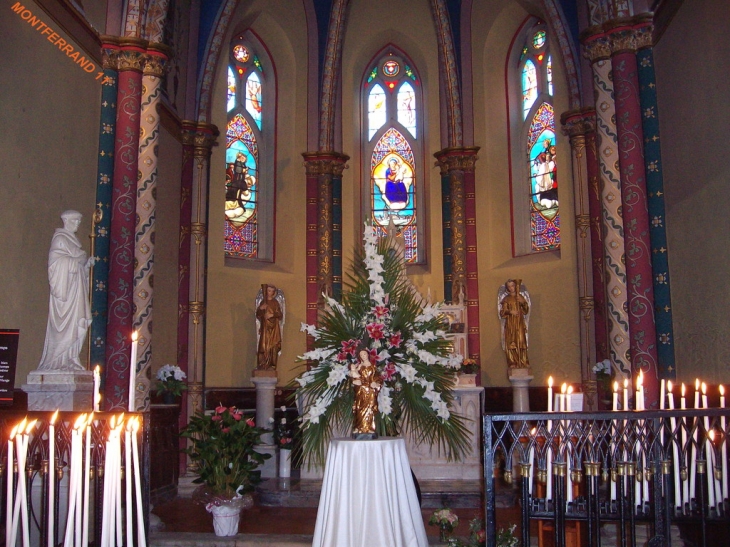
(392, 150)
(249, 153)
(535, 204)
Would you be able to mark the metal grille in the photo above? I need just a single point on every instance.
(654, 467)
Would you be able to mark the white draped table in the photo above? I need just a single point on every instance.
(368, 497)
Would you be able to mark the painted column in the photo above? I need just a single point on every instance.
(459, 166)
(104, 178)
(205, 138)
(144, 250)
(655, 196)
(634, 207)
(576, 124)
(121, 253)
(313, 167)
(338, 165)
(446, 230)
(598, 52)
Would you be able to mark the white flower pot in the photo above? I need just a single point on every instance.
(284, 463)
(467, 379)
(225, 519)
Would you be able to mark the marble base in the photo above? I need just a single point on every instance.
(520, 395)
(63, 390)
(265, 391)
(269, 469)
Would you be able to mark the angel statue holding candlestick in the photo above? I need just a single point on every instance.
(366, 386)
(270, 311)
(513, 306)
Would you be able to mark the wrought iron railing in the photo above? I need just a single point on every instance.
(657, 468)
(38, 478)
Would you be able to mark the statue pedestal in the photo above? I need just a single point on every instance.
(265, 387)
(62, 390)
(520, 379)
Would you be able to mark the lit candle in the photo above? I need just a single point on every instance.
(9, 494)
(141, 539)
(724, 445)
(550, 394)
(74, 483)
(51, 478)
(128, 478)
(626, 394)
(531, 457)
(87, 478)
(709, 453)
(20, 428)
(675, 451)
(639, 403)
(662, 394)
(97, 385)
(569, 400)
(106, 503)
(683, 406)
(615, 396)
(697, 393)
(132, 371)
(563, 392)
(21, 483)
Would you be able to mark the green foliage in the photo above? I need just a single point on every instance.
(223, 450)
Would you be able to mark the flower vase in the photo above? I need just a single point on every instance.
(284, 463)
(225, 519)
(467, 379)
(169, 398)
(444, 532)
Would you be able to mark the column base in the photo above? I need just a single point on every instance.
(520, 380)
(60, 390)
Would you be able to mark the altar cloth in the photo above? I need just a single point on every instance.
(368, 497)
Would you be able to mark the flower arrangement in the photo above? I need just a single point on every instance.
(446, 520)
(604, 374)
(469, 366)
(383, 313)
(507, 538)
(283, 434)
(223, 451)
(477, 535)
(170, 379)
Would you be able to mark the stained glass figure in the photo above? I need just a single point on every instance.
(410, 73)
(391, 68)
(549, 74)
(376, 110)
(393, 189)
(544, 206)
(373, 74)
(240, 53)
(529, 87)
(257, 63)
(538, 39)
(241, 190)
(407, 107)
(231, 101)
(253, 98)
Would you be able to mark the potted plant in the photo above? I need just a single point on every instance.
(171, 383)
(222, 449)
(285, 441)
(468, 372)
(446, 520)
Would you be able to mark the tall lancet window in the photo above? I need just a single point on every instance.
(392, 150)
(249, 183)
(535, 203)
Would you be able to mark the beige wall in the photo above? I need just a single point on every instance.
(231, 289)
(551, 277)
(48, 143)
(692, 83)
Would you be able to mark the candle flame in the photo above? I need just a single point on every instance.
(615, 387)
(704, 388)
(626, 383)
(113, 421)
(711, 434)
(97, 369)
(640, 379)
(570, 390)
(80, 421)
(722, 390)
(53, 418)
(684, 389)
(135, 425)
(697, 384)
(564, 388)
(30, 427)
(550, 381)
(134, 336)
(13, 432)
(21, 425)
(669, 386)
(533, 431)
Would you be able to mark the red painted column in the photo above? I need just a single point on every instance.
(121, 253)
(642, 328)
(313, 167)
(472, 267)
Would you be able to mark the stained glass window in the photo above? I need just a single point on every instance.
(392, 113)
(393, 188)
(407, 107)
(377, 110)
(529, 86)
(536, 209)
(245, 135)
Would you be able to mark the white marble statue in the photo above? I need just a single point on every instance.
(69, 313)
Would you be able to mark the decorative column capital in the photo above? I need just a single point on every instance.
(457, 159)
(596, 46)
(578, 123)
(201, 136)
(156, 59)
(325, 163)
(132, 54)
(110, 52)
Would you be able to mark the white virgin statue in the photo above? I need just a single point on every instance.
(69, 313)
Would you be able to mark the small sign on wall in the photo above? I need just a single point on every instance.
(8, 358)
